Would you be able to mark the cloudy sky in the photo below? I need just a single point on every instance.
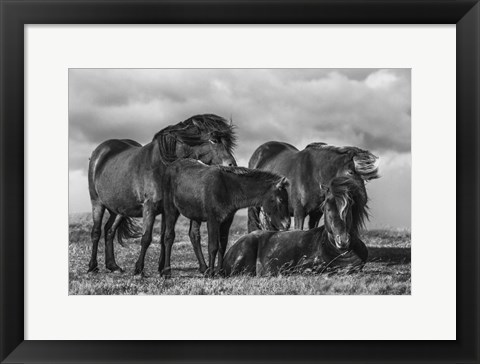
(368, 108)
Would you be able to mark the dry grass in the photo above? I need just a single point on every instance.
(387, 272)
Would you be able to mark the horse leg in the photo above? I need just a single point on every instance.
(110, 227)
(161, 260)
(360, 249)
(171, 220)
(97, 215)
(253, 219)
(298, 218)
(314, 218)
(213, 243)
(148, 221)
(224, 230)
(194, 234)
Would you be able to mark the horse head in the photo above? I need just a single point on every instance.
(208, 138)
(275, 205)
(344, 209)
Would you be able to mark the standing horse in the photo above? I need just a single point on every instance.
(213, 194)
(125, 179)
(306, 171)
(334, 244)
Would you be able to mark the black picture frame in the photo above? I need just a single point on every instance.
(15, 14)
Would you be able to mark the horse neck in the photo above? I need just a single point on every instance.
(152, 156)
(320, 235)
(249, 191)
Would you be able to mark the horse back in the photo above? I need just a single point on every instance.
(285, 249)
(270, 152)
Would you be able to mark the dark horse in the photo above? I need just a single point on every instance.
(213, 194)
(125, 178)
(334, 244)
(306, 171)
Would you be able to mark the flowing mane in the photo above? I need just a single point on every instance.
(366, 164)
(196, 130)
(350, 193)
(252, 173)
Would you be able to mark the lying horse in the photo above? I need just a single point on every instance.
(306, 171)
(125, 178)
(335, 244)
(213, 194)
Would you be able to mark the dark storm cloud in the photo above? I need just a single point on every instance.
(365, 107)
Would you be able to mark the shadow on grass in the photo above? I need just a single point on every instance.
(392, 256)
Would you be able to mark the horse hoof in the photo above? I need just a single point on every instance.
(93, 270)
(116, 269)
(203, 269)
(166, 273)
(220, 273)
(140, 276)
(209, 273)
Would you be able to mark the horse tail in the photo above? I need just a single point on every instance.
(127, 229)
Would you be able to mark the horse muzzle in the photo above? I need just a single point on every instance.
(278, 225)
(342, 241)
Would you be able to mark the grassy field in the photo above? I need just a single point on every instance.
(387, 272)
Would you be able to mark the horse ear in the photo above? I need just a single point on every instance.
(283, 183)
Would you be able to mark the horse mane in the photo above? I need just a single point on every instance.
(196, 130)
(252, 173)
(347, 190)
(366, 164)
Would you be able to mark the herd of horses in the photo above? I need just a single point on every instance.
(189, 169)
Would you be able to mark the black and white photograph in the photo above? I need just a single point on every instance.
(265, 164)
(239, 181)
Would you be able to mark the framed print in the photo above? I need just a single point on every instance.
(211, 167)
